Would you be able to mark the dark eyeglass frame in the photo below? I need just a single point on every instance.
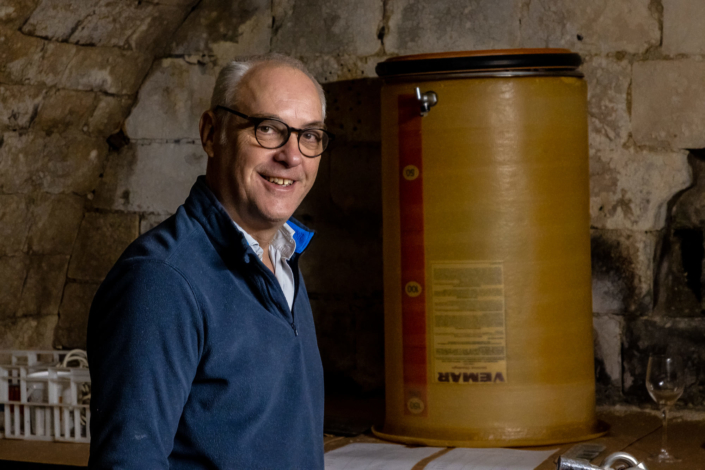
(256, 121)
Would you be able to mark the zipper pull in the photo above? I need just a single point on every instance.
(293, 327)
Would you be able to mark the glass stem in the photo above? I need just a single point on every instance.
(664, 432)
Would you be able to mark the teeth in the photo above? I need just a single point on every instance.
(279, 181)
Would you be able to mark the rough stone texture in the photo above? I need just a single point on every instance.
(44, 284)
(19, 105)
(109, 114)
(28, 332)
(171, 101)
(598, 26)
(680, 336)
(668, 105)
(106, 69)
(630, 188)
(68, 162)
(73, 315)
(608, 116)
(682, 27)
(335, 68)
(13, 272)
(131, 184)
(56, 19)
(224, 30)
(149, 221)
(622, 271)
(689, 209)
(54, 223)
(331, 27)
(101, 240)
(13, 13)
(607, 332)
(14, 223)
(28, 60)
(417, 26)
(65, 109)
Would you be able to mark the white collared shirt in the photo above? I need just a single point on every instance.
(280, 250)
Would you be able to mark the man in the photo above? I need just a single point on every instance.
(201, 340)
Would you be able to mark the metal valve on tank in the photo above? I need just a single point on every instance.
(617, 458)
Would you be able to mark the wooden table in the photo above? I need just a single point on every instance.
(638, 433)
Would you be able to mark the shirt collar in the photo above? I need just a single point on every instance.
(283, 241)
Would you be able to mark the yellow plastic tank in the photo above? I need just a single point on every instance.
(487, 288)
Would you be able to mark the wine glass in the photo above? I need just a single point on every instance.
(665, 382)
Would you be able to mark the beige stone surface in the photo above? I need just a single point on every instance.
(630, 188)
(418, 26)
(608, 115)
(607, 332)
(331, 27)
(65, 109)
(13, 272)
(73, 315)
(152, 178)
(28, 60)
(13, 13)
(106, 69)
(14, 223)
(109, 114)
(19, 105)
(44, 284)
(55, 219)
(68, 162)
(603, 25)
(225, 30)
(171, 101)
(683, 31)
(57, 19)
(668, 103)
(334, 68)
(28, 332)
(101, 240)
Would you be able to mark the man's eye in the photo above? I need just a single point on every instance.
(312, 136)
(265, 129)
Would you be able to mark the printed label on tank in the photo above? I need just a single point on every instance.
(469, 334)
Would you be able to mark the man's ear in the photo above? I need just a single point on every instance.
(207, 131)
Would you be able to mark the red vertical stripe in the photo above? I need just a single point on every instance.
(413, 268)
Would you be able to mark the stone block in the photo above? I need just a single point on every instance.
(225, 30)
(44, 285)
(66, 109)
(608, 346)
(55, 219)
(171, 101)
(57, 19)
(417, 26)
(71, 330)
(149, 221)
(630, 188)
(106, 69)
(682, 27)
(54, 163)
(333, 68)
(353, 111)
(101, 240)
(28, 60)
(154, 178)
(19, 105)
(622, 271)
(332, 27)
(28, 332)
(668, 105)
(109, 114)
(599, 26)
(656, 335)
(14, 13)
(608, 115)
(689, 209)
(14, 223)
(13, 272)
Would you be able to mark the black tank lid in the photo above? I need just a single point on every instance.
(480, 61)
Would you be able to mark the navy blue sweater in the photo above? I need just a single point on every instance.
(196, 360)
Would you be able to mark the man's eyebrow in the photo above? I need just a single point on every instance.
(308, 125)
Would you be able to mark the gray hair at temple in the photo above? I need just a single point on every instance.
(226, 85)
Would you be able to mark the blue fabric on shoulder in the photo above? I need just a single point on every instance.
(302, 234)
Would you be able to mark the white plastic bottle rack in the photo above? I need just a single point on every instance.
(41, 399)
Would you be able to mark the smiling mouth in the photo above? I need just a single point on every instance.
(279, 181)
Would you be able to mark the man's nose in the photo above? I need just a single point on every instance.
(289, 153)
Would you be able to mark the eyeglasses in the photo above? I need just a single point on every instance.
(272, 134)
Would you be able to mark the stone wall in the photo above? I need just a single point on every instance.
(99, 105)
